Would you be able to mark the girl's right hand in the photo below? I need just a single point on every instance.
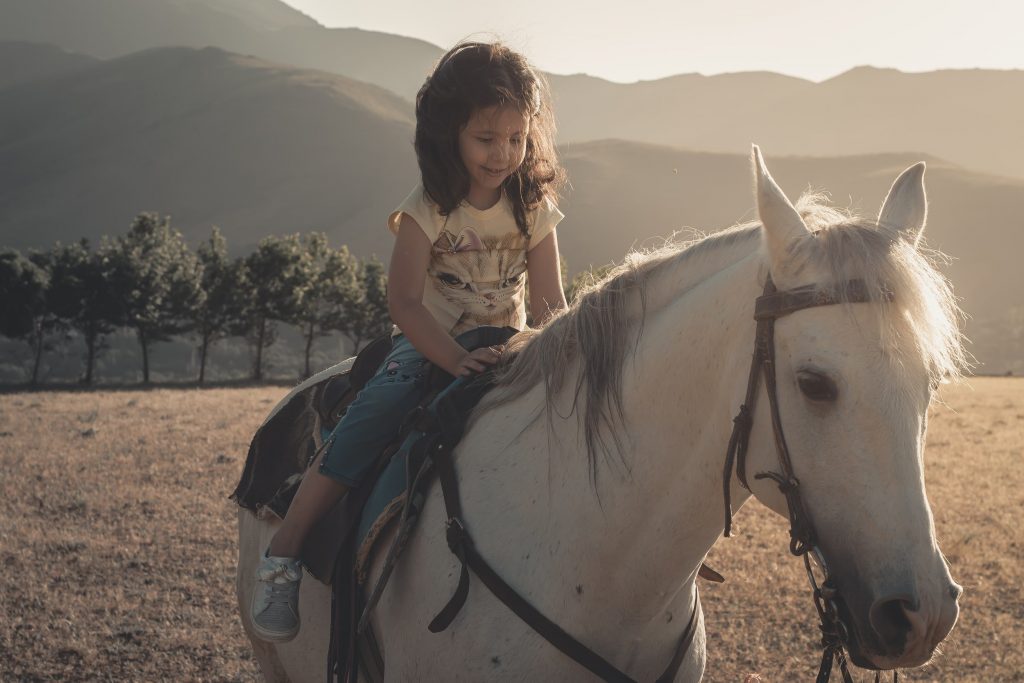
(478, 360)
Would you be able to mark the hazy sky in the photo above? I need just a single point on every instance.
(645, 39)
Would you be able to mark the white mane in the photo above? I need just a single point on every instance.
(591, 339)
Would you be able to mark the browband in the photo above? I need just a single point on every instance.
(775, 304)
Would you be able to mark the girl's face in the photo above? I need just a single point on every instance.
(492, 145)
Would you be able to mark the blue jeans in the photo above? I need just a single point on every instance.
(374, 417)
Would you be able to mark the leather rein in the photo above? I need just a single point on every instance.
(772, 304)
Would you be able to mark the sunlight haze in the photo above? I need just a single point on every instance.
(650, 39)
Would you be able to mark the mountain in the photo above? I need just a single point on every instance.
(21, 62)
(971, 117)
(111, 28)
(268, 29)
(208, 137)
(259, 148)
(678, 110)
(633, 195)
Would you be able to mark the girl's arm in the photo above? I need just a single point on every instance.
(545, 273)
(406, 277)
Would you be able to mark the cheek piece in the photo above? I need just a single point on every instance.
(771, 305)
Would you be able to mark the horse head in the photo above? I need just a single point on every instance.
(854, 382)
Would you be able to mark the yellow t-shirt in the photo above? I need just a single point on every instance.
(477, 270)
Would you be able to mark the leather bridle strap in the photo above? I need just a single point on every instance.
(461, 544)
(773, 304)
(770, 305)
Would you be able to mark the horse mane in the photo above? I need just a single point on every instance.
(591, 339)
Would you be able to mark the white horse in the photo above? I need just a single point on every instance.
(591, 477)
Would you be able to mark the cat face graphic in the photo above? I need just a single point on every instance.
(483, 277)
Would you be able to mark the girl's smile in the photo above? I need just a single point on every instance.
(492, 145)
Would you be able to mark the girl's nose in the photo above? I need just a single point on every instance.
(503, 151)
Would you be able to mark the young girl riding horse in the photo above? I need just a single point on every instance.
(483, 217)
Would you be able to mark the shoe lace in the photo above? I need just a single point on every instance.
(279, 592)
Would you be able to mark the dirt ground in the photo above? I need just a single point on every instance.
(117, 542)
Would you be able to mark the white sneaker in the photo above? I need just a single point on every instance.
(275, 599)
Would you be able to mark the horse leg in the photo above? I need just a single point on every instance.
(302, 660)
(250, 542)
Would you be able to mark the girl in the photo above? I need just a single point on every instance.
(483, 217)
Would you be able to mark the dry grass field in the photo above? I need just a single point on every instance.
(117, 542)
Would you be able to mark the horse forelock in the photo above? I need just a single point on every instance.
(590, 341)
(917, 313)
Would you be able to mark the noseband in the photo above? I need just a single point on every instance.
(771, 305)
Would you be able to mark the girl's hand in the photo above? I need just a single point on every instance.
(477, 361)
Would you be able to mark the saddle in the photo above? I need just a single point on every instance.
(340, 546)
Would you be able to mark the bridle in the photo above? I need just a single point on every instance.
(803, 542)
(443, 435)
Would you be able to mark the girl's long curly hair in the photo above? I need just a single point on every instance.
(474, 76)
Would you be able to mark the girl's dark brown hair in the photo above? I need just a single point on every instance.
(475, 76)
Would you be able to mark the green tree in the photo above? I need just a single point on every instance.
(329, 287)
(217, 309)
(158, 280)
(23, 311)
(367, 316)
(82, 296)
(272, 285)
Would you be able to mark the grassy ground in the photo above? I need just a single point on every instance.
(117, 544)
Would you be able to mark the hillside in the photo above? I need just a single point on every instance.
(22, 62)
(111, 28)
(208, 137)
(268, 29)
(970, 117)
(628, 194)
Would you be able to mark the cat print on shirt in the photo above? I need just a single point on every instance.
(483, 277)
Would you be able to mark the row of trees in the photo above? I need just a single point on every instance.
(151, 282)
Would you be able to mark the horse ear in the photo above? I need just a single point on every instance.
(905, 208)
(781, 221)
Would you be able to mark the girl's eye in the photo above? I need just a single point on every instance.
(486, 141)
(450, 280)
(517, 141)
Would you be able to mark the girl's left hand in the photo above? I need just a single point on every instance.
(478, 360)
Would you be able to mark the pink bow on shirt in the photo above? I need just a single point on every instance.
(468, 240)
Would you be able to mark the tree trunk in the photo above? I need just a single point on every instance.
(39, 355)
(309, 346)
(258, 369)
(202, 356)
(90, 356)
(145, 356)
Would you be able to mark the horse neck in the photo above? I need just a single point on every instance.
(680, 393)
(621, 558)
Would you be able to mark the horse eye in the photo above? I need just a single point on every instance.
(817, 387)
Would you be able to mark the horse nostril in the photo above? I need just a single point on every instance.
(955, 591)
(892, 621)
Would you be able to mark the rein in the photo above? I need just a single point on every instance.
(445, 430)
(771, 305)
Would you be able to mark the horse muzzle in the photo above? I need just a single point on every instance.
(900, 628)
